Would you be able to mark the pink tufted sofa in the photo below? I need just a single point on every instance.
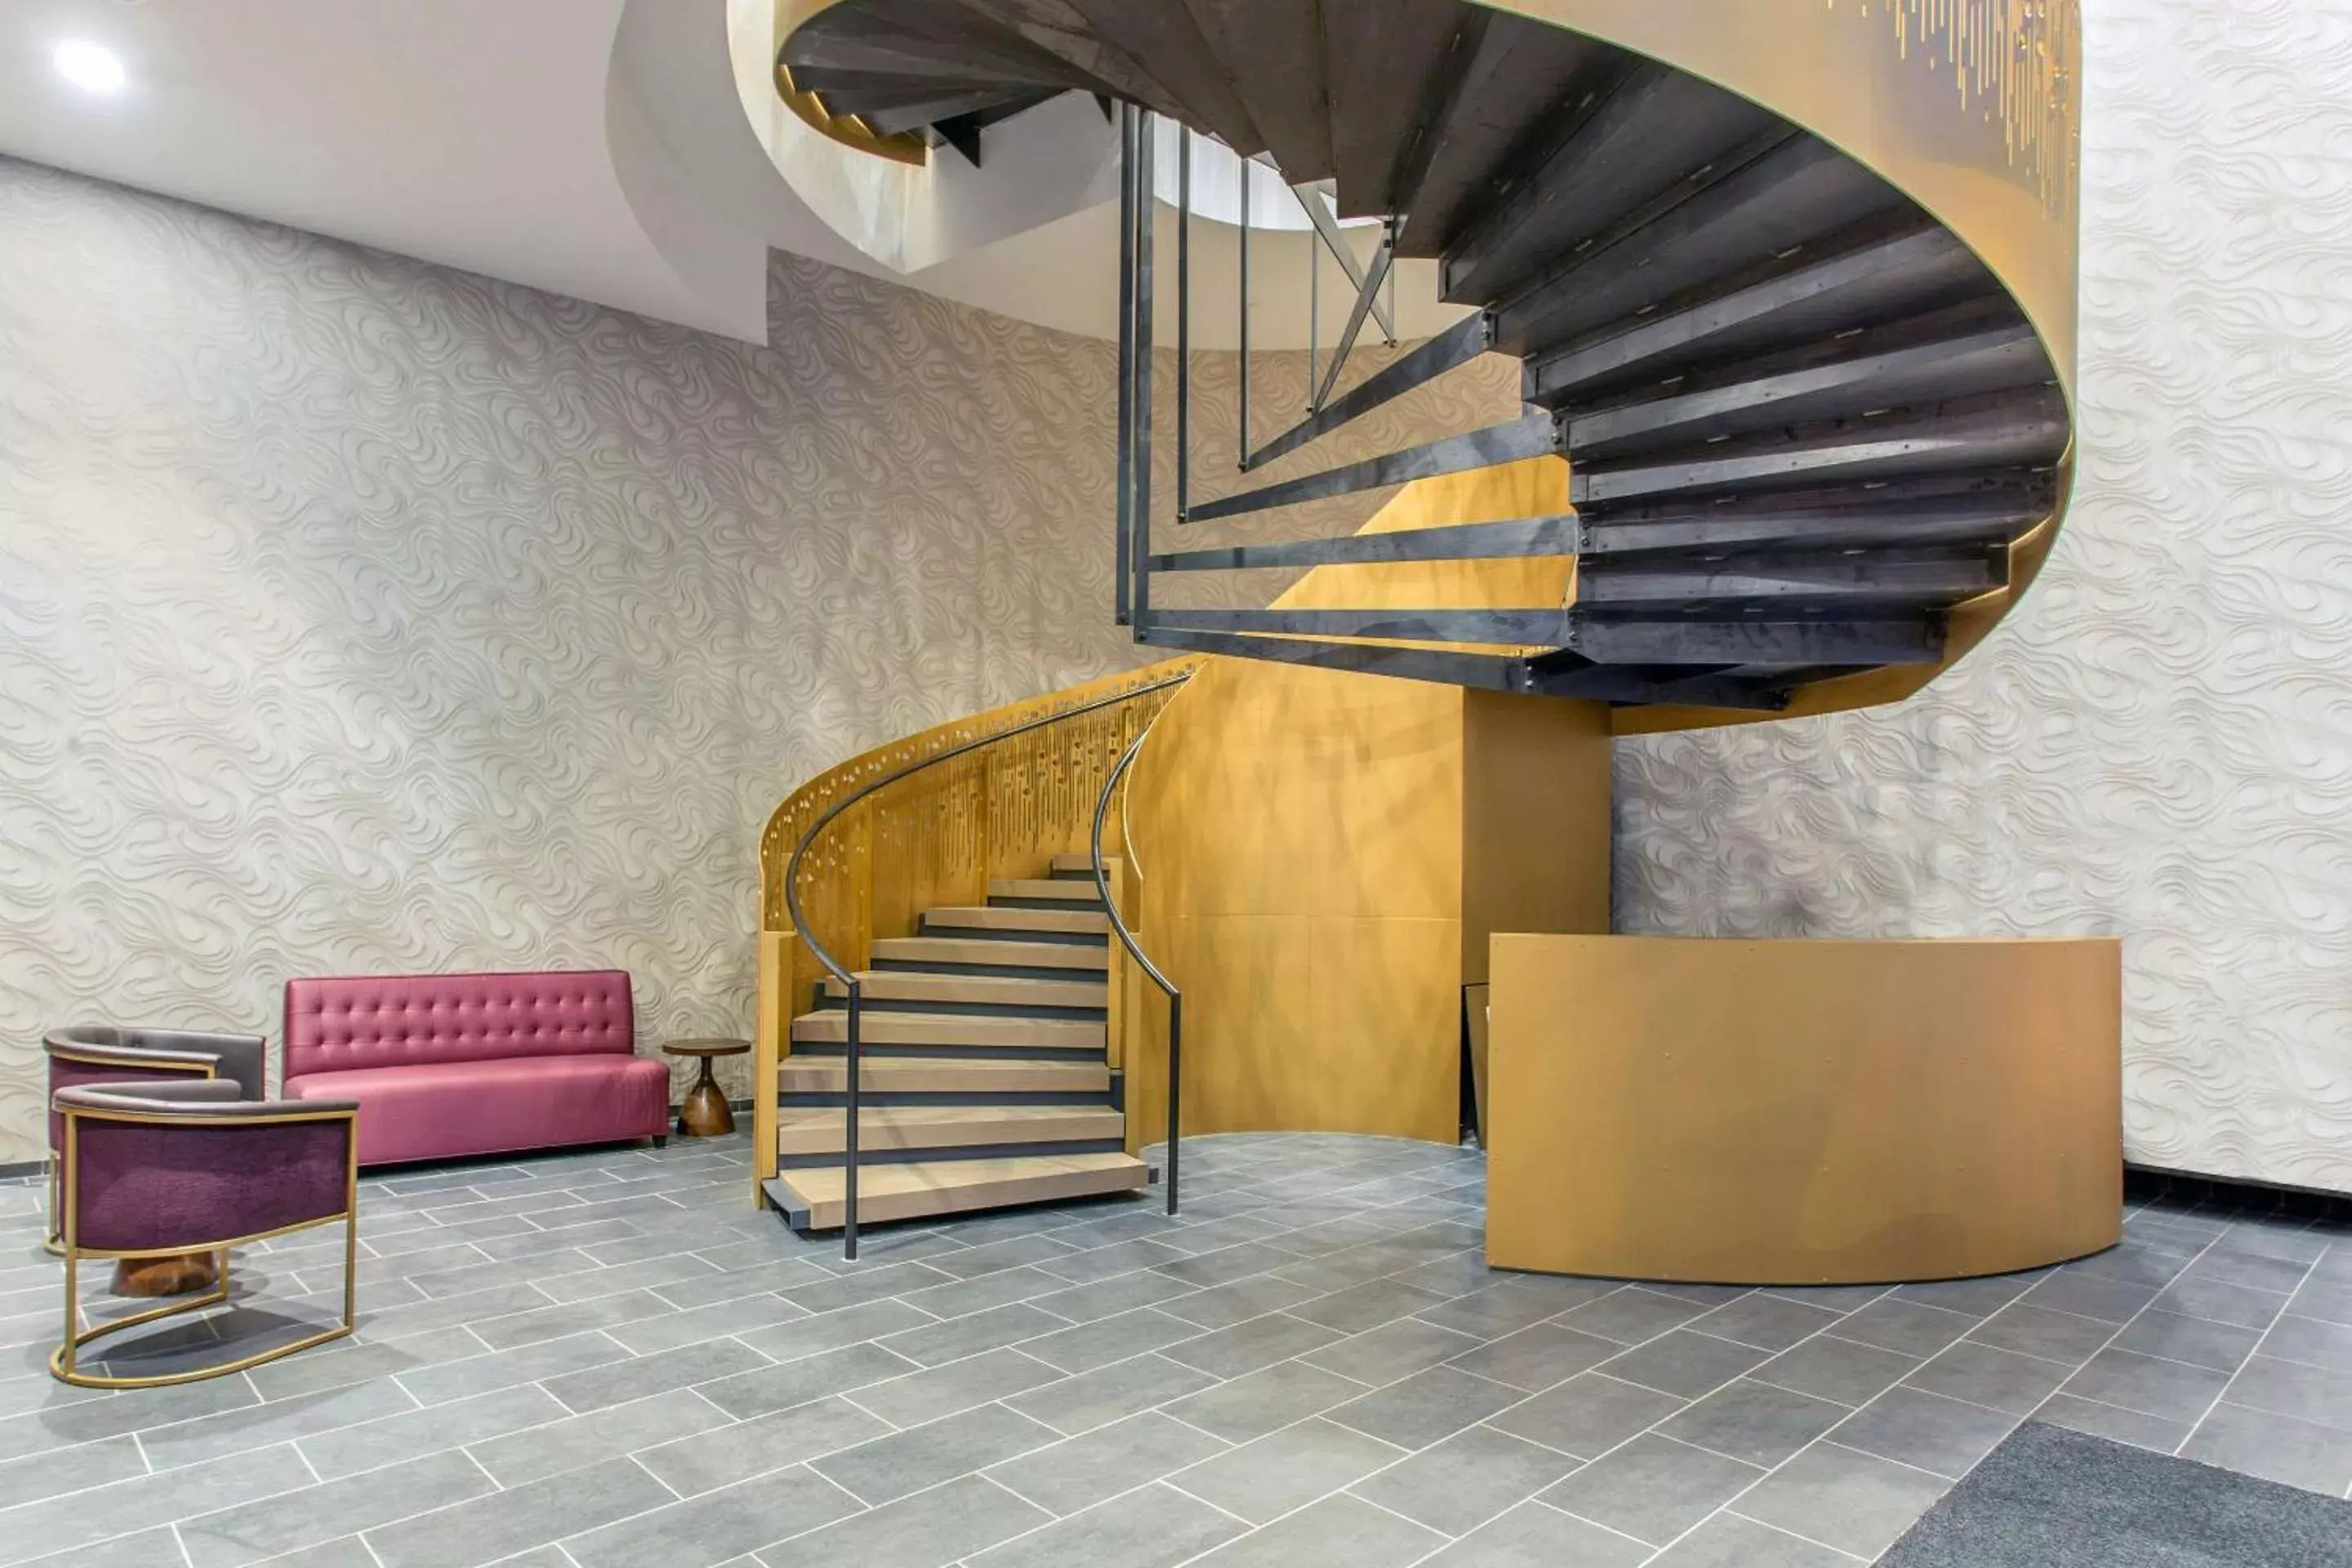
(449, 1065)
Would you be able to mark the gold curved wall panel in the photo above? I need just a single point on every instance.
(1802, 1112)
(1324, 853)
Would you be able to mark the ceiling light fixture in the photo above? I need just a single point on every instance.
(93, 67)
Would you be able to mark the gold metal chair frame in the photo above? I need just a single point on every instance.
(53, 1241)
(63, 1360)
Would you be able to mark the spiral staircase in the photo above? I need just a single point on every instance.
(1804, 421)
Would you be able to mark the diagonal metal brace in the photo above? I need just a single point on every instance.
(1326, 224)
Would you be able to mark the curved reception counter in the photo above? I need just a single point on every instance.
(1801, 1111)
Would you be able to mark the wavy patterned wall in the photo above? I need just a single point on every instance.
(361, 615)
(2158, 743)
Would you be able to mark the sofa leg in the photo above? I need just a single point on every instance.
(661, 1140)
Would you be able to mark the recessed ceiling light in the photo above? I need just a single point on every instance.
(93, 67)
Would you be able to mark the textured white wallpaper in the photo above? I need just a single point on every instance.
(358, 616)
(2158, 743)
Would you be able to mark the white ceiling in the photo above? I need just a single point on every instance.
(595, 148)
(470, 132)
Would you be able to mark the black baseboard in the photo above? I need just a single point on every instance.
(2181, 1189)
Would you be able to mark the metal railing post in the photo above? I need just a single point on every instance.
(1125, 482)
(1146, 307)
(1152, 972)
(849, 1142)
(1175, 1087)
(1242, 446)
(1183, 322)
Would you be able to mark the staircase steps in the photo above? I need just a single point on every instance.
(813, 1198)
(889, 1130)
(1006, 1080)
(1044, 892)
(1753, 350)
(907, 1034)
(996, 994)
(993, 953)
(1063, 922)
(983, 1072)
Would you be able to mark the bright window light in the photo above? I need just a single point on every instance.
(90, 67)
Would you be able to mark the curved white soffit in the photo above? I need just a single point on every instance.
(718, 171)
(1041, 166)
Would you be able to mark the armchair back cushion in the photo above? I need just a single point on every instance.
(353, 1022)
(172, 1171)
(111, 1053)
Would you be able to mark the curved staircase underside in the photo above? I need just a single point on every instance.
(1804, 421)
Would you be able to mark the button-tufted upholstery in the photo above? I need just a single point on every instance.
(450, 1065)
(407, 1020)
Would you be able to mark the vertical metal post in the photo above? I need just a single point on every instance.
(1146, 208)
(1126, 476)
(1175, 1087)
(1396, 233)
(850, 1129)
(1243, 444)
(1314, 315)
(1183, 323)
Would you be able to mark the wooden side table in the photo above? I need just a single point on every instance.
(704, 1113)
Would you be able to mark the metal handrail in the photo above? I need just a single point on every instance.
(1126, 939)
(833, 966)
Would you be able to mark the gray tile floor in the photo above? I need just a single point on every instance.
(606, 1359)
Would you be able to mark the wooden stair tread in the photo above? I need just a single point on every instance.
(989, 917)
(1061, 890)
(980, 990)
(993, 951)
(818, 1129)
(912, 1189)
(878, 1027)
(942, 1075)
(1078, 864)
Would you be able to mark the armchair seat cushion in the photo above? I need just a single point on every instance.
(434, 1111)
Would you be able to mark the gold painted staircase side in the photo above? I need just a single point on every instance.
(977, 1032)
(916, 1189)
(892, 1128)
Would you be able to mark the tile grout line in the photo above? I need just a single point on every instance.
(2239, 1370)
(2123, 1329)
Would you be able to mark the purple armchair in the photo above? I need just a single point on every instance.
(165, 1167)
(122, 1054)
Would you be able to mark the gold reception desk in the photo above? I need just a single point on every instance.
(1803, 1111)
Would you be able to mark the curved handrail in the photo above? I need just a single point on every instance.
(1126, 939)
(835, 967)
